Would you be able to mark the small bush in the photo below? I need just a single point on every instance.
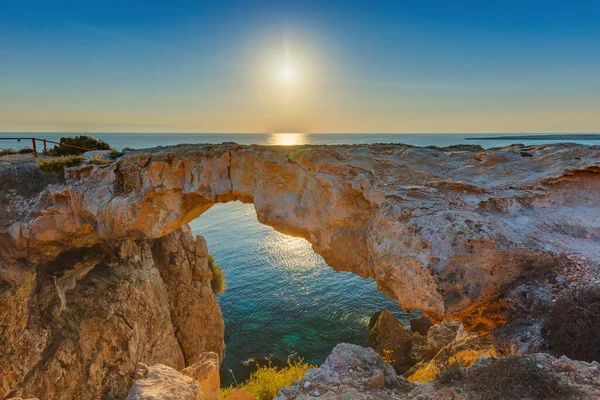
(86, 142)
(7, 152)
(59, 164)
(26, 150)
(514, 378)
(267, 381)
(218, 279)
(573, 325)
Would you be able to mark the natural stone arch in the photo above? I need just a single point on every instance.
(438, 229)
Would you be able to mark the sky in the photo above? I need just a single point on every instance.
(299, 66)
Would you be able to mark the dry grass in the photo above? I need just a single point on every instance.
(59, 164)
(573, 326)
(267, 381)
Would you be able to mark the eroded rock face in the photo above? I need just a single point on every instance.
(445, 231)
(76, 326)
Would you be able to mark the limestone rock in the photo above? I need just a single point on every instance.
(391, 341)
(445, 231)
(350, 372)
(164, 383)
(442, 334)
(143, 301)
(206, 372)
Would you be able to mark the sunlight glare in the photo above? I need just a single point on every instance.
(288, 139)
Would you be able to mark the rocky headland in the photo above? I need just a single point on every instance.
(99, 271)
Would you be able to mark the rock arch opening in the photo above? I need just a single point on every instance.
(282, 301)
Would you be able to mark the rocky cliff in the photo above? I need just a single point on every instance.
(76, 326)
(98, 271)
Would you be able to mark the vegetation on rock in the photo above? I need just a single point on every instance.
(59, 164)
(268, 380)
(218, 278)
(8, 152)
(83, 141)
(573, 326)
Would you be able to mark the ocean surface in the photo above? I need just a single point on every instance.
(281, 299)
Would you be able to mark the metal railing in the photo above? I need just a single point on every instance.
(45, 142)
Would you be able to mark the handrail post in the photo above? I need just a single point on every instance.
(45, 150)
(34, 148)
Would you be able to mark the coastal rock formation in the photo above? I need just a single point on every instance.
(76, 326)
(353, 372)
(446, 231)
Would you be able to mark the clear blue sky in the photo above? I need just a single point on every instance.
(358, 66)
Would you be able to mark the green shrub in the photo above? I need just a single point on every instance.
(267, 381)
(59, 164)
(7, 152)
(573, 326)
(86, 142)
(26, 150)
(218, 279)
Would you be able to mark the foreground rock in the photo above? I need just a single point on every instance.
(353, 372)
(160, 382)
(445, 231)
(350, 372)
(77, 326)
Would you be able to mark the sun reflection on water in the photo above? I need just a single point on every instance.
(288, 139)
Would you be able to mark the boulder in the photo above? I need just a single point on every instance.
(391, 341)
(160, 382)
(350, 372)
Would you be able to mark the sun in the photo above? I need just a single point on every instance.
(287, 74)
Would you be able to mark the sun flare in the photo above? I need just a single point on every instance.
(287, 74)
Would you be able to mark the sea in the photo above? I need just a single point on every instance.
(281, 300)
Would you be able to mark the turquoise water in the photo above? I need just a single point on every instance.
(281, 299)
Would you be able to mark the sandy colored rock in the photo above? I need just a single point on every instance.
(446, 231)
(350, 372)
(143, 301)
(164, 383)
(206, 371)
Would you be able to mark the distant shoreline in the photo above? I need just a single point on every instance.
(584, 136)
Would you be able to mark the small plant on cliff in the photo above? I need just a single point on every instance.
(59, 164)
(83, 141)
(268, 380)
(218, 278)
(573, 326)
(7, 152)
